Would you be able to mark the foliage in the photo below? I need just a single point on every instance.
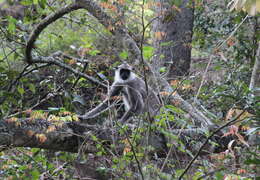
(93, 49)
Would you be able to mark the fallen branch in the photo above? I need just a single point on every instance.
(67, 136)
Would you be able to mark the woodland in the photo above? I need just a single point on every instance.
(200, 57)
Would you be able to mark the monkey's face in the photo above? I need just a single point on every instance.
(125, 74)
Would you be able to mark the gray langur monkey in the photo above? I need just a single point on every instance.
(135, 96)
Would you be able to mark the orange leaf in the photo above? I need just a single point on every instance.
(174, 82)
(65, 113)
(235, 112)
(245, 128)
(187, 86)
(176, 8)
(176, 102)
(158, 4)
(127, 146)
(11, 120)
(51, 129)
(28, 111)
(241, 171)
(116, 98)
(231, 41)
(72, 61)
(122, 2)
(232, 131)
(30, 133)
(159, 35)
(164, 93)
(41, 137)
(229, 114)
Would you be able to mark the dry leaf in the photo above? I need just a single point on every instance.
(176, 8)
(241, 171)
(231, 41)
(72, 61)
(235, 112)
(174, 82)
(159, 35)
(11, 120)
(164, 93)
(127, 147)
(41, 137)
(51, 129)
(30, 133)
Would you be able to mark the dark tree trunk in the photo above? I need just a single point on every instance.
(173, 35)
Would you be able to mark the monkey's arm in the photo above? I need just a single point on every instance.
(136, 106)
(102, 107)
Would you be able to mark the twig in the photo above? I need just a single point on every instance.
(134, 153)
(256, 69)
(203, 78)
(49, 95)
(233, 32)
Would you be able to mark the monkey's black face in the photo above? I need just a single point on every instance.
(125, 73)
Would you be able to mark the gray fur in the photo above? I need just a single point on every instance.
(136, 99)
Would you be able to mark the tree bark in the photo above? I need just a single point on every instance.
(173, 35)
(255, 77)
(70, 136)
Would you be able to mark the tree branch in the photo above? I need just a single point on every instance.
(67, 136)
(255, 79)
(106, 20)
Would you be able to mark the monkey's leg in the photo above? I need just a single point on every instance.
(115, 89)
(127, 115)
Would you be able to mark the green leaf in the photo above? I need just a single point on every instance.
(176, 2)
(168, 43)
(27, 2)
(51, 109)
(94, 52)
(123, 55)
(148, 52)
(252, 161)
(42, 3)
(162, 69)
(35, 174)
(174, 109)
(20, 90)
(11, 24)
(219, 175)
(32, 88)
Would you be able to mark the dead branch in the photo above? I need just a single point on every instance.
(67, 136)
(255, 79)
